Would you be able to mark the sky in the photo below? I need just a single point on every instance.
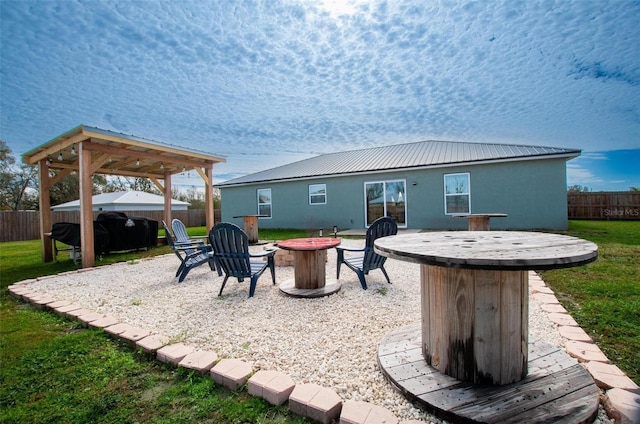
(269, 82)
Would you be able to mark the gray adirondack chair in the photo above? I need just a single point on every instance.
(191, 255)
(231, 250)
(365, 260)
(180, 233)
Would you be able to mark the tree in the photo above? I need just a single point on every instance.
(68, 188)
(195, 197)
(121, 183)
(634, 188)
(18, 183)
(577, 189)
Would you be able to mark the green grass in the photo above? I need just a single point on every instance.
(604, 296)
(54, 371)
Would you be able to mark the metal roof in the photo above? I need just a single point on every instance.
(132, 197)
(422, 154)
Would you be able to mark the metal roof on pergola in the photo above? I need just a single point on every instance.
(89, 150)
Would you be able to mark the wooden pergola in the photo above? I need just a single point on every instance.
(89, 150)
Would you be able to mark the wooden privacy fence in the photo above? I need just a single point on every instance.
(618, 205)
(25, 225)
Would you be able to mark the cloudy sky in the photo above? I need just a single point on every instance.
(268, 82)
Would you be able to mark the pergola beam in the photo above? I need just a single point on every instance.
(53, 150)
(136, 155)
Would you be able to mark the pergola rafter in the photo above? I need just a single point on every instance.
(89, 150)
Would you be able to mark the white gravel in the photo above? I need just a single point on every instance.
(330, 341)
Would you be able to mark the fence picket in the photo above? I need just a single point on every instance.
(612, 205)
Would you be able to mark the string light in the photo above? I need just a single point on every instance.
(60, 156)
(138, 162)
(73, 150)
(161, 165)
(48, 162)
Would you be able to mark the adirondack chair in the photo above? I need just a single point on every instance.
(182, 238)
(180, 233)
(191, 255)
(231, 250)
(367, 259)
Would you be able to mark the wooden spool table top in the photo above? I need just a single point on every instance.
(502, 250)
(311, 243)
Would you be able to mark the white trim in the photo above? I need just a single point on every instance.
(270, 203)
(468, 193)
(384, 196)
(317, 195)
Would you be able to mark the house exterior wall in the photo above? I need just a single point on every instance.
(532, 193)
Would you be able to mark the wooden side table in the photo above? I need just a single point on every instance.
(475, 295)
(469, 359)
(251, 226)
(480, 221)
(309, 262)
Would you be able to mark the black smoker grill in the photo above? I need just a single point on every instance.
(128, 233)
(112, 232)
(69, 234)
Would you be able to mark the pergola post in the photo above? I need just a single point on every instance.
(167, 197)
(86, 207)
(208, 196)
(45, 210)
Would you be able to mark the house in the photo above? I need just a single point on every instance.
(125, 201)
(422, 185)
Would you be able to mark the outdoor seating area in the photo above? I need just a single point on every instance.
(438, 358)
(391, 357)
(346, 359)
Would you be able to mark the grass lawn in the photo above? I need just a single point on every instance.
(604, 296)
(52, 370)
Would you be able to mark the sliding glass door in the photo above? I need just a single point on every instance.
(386, 198)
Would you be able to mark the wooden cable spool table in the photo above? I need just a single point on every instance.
(480, 221)
(250, 223)
(309, 262)
(474, 305)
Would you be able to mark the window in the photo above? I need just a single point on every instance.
(386, 198)
(317, 194)
(457, 193)
(264, 202)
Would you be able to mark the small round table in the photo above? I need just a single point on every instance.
(309, 262)
(480, 221)
(250, 223)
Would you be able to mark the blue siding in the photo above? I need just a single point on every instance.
(531, 192)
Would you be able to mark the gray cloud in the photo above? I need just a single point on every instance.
(281, 79)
